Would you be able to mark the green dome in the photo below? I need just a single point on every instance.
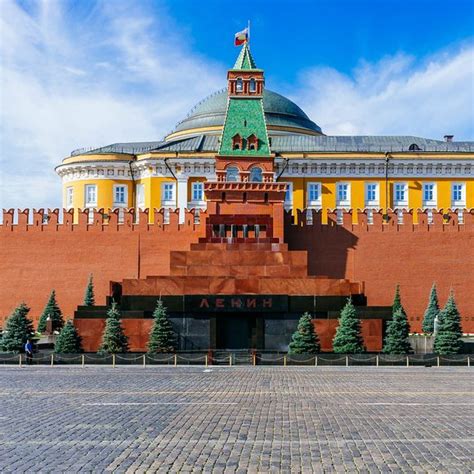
(279, 112)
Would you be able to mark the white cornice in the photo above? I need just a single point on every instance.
(148, 168)
(189, 167)
(367, 168)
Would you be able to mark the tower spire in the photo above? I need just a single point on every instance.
(245, 61)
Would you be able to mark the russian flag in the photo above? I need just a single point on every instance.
(241, 37)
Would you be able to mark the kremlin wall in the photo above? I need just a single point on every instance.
(37, 257)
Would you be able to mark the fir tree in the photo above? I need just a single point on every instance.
(17, 329)
(348, 338)
(113, 340)
(89, 298)
(304, 339)
(397, 301)
(162, 336)
(396, 340)
(448, 338)
(68, 341)
(54, 312)
(431, 311)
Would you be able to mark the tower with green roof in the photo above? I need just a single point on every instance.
(245, 129)
(245, 202)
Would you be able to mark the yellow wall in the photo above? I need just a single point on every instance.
(105, 197)
(152, 188)
(415, 197)
(153, 193)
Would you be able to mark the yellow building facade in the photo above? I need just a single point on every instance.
(322, 171)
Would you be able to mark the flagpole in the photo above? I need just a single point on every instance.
(248, 32)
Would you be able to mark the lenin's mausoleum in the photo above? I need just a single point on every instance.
(243, 218)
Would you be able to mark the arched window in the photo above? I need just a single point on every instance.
(239, 85)
(256, 175)
(253, 85)
(232, 174)
(414, 147)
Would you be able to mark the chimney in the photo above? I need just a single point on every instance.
(448, 138)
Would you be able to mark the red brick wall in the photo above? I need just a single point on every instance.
(36, 258)
(382, 255)
(371, 330)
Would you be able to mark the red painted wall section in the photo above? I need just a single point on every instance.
(382, 255)
(36, 258)
(137, 331)
(371, 330)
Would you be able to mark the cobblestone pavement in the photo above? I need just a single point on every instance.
(236, 419)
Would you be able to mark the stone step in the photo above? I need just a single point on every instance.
(211, 285)
(278, 247)
(240, 271)
(237, 257)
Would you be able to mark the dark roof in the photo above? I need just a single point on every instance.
(364, 143)
(295, 143)
(278, 111)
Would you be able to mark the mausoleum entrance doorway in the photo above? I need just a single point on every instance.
(239, 331)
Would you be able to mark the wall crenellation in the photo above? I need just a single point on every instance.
(131, 220)
(399, 220)
(98, 219)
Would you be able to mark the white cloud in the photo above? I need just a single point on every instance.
(397, 96)
(70, 79)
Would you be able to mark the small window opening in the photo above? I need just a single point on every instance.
(256, 175)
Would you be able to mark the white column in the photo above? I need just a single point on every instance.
(182, 194)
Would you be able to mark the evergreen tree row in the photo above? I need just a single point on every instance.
(445, 324)
(162, 337)
(348, 338)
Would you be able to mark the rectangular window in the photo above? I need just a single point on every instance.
(168, 193)
(197, 192)
(314, 194)
(120, 195)
(343, 195)
(371, 194)
(289, 194)
(429, 195)
(69, 197)
(141, 196)
(458, 195)
(91, 195)
(400, 195)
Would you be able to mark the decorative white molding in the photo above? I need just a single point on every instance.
(150, 168)
(296, 168)
(365, 168)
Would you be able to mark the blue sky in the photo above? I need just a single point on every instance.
(292, 35)
(92, 72)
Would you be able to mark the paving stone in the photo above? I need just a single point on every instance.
(236, 419)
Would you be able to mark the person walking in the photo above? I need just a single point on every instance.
(29, 352)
